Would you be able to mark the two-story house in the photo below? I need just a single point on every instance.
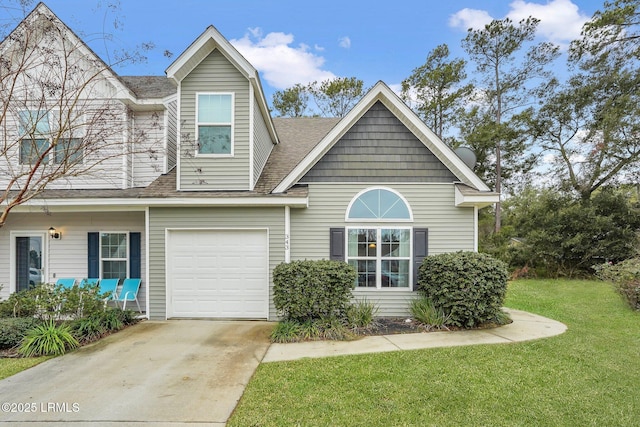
(230, 192)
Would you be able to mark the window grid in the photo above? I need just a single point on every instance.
(381, 256)
(37, 135)
(214, 123)
(114, 255)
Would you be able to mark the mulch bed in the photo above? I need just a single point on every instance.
(396, 325)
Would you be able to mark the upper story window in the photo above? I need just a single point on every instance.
(214, 118)
(378, 204)
(38, 131)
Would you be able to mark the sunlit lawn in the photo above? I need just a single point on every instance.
(588, 376)
(11, 366)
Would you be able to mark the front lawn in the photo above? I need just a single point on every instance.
(13, 365)
(588, 376)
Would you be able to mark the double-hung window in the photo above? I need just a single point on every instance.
(381, 256)
(35, 131)
(381, 253)
(114, 255)
(214, 119)
(39, 130)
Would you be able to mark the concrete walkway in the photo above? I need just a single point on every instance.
(525, 327)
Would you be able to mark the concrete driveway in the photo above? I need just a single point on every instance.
(161, 373)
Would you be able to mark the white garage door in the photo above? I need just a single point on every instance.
(217, 273)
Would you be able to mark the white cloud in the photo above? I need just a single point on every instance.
(560, 20)
(344, 42)
(470, 18)
(281, 64)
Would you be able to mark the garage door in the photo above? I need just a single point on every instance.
(217, 273)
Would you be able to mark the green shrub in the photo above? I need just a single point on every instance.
(470, 287)
(625, 277)
(361, 314)
(425, 311)
(307, 290)
(88, 329)
(19, 304)
(111, 319)
(14, 329)
(286, 331)
(48, 339)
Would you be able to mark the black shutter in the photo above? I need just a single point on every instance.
(93, 251)
(336, 244)
(135, 255)
(420, 251)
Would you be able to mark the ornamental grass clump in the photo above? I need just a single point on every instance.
(469, 286)
(48, 339)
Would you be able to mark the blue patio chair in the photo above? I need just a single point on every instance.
(108, 288)
(129, 292)
(66, 283)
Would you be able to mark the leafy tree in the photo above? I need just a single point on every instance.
(565, 235)
(436, 91)
(55, 127)
(591, 125)
(506, 75)
(291, 102)
(336, 97)
(615, 27)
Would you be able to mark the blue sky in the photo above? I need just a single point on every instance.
(297, 42)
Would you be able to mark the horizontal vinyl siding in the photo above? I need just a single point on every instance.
(262, 143)
(149, 156)
(67, 257)
(450, 229)
(172, 134)
(214, 74)
(104, 162)
(222, 218)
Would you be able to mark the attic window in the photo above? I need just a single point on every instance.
(215, 123)
(378, 204)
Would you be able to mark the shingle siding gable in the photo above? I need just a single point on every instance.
(378, 147)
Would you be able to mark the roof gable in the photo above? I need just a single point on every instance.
(42, 15)
(210, 40)
(383, 94)
(379, 147)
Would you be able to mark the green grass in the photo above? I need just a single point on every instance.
(11, 366)
(588, 376)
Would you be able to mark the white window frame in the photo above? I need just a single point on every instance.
(101, 258)
(51, 114)
(379, 258)
(230, 124)
(393, 220)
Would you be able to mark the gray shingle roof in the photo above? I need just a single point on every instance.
(149, 86)
(298, 136)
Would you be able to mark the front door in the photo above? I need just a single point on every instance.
(29, 261)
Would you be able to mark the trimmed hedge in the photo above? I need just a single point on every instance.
(469, 286)
(308, 290)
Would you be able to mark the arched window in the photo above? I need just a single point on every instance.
(378, 204)
(380, 253)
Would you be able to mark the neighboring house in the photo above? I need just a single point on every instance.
(234, 193)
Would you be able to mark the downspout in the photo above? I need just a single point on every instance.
(287, 234)
(475, 228)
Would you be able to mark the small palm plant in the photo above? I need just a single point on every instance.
(425, 311)
(47, 339)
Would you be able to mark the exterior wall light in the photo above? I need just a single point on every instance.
(55, 234)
